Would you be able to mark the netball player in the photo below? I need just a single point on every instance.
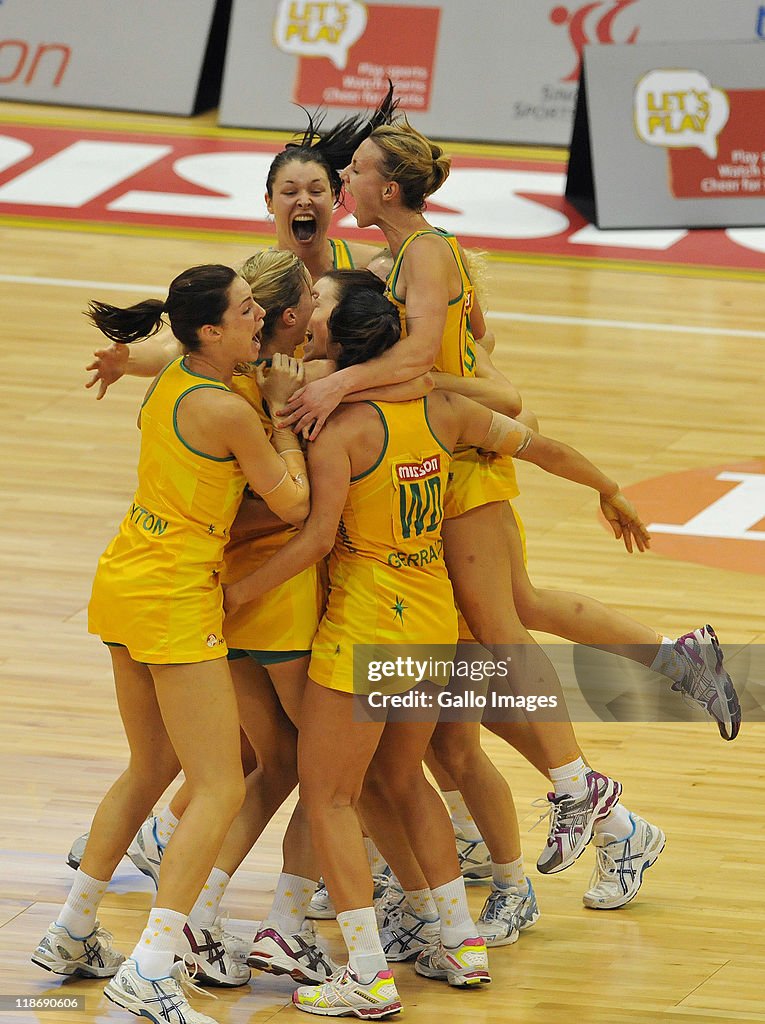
(390, 176)
(303, 188)
(156, 603)
(360, 509)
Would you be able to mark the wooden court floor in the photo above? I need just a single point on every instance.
(641, 402)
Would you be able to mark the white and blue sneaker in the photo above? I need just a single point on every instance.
(621, 864)
(405, 935)
(145, 851)
(474, 858)
(321, 907)
(162, 1000)
(91, 956)
(506, 913)
(706, 683)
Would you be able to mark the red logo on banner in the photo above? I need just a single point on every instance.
(22, 61)
(397, 43)
(577, 30)
(738, 169)
(714, 516)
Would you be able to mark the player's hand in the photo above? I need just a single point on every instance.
(309, 408)
(232, 600)
(280, 382)
(109, 364)
(624, 521)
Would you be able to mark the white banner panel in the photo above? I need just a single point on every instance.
(671, 136)
(143, 55)
(497, 70)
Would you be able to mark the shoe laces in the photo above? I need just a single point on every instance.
(219, 930)
(308, 931)
(604, 870)
(381, 881)
(555, 811)
(337, 979)
(185, 977)
(501, 904)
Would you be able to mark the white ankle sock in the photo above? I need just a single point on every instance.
(78, 915)
(290, 903)
(510, 874)
(376, 860)
(670, 662)
(618, 823)
(165, 825)
(155, 950)
(422, 904)
(205, 910)
(456, 922)
(365, 953)
(462, 819)
(568, 780)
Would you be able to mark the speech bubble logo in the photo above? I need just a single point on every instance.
(310, 29)
(680, 109)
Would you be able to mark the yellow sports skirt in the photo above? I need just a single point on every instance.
(287, 617)
(476, 480)
(375, 612)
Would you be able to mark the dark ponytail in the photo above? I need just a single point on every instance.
(126, 325)
(334, 148)
(364, 324)
(196, 297)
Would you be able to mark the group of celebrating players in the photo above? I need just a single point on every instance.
(337, 399)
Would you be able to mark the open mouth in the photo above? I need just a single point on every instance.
(304, 228)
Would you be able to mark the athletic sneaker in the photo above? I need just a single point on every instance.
(77, 851)
(474, 858)
(466, 964)
(572, 820)
(300, 955)
(92, 957)
(214, 964)
(161, 1000)
(237, 947)
(706, 682)
(146, 850)
(345, 995)
(621, 864)
(391, 900)
(506, 913)
(404, 934)
(321, 907)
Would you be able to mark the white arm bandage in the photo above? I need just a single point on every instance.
(506, 436)
(289, 499)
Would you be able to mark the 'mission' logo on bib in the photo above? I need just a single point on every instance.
(419, 470)
(420, 497)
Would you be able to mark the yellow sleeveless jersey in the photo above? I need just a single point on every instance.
(157, 589)
(457, 353)
(387, 577)
(341, 254)
(475, 479)
(287, 617)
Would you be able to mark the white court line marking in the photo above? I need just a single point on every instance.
(65, 282)
(529, 318)
(627, 325)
